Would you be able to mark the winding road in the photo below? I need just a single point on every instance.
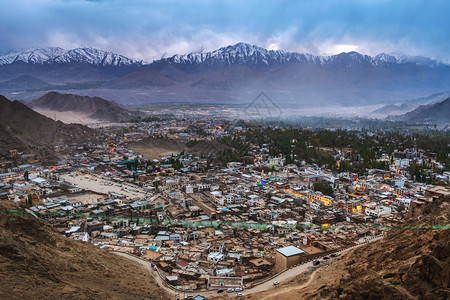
(264, 286)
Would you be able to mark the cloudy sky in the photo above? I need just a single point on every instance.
(152, 29)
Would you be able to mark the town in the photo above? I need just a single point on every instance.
(227, 205)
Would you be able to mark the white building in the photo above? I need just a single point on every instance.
(402, 163)
(189, 189)
(276, 161)
(378, 210)
(403, 201)
(215, 257)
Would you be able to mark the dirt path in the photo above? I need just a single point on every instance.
(147, 265)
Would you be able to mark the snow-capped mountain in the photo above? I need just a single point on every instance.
(232, 73)
(242, 53)
(50, 55)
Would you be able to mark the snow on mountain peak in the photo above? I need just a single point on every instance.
(240, 53)
(58, 55)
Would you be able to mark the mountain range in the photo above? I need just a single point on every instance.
(229, 75)
(56, 55)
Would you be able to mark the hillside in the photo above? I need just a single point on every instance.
(394, 108)
(94, 108)
(409, 263)
(434, 113)
(23, 82)
(36, 262)
(24, 129)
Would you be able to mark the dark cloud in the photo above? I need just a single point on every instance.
(149, 29)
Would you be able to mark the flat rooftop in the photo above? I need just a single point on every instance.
(290, 251)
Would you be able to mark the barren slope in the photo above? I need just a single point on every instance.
(409, 263)
(38, 263)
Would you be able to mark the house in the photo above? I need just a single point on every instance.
(75, 202)
(287, 257)
(224, 282)
(378, 210)
(215, 257)
(173, 280)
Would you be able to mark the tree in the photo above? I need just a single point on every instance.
(26, 175)
(324, 187)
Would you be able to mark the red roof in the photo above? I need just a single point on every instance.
(182, 263)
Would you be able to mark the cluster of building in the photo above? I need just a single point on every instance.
(212, 226)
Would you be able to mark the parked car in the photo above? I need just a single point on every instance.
(238, 290)
(220, 291)
(316, 262)
(276, 283)
(230, 290)
(326, 257)
(240, 294)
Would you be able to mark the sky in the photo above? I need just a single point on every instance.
(150, 30)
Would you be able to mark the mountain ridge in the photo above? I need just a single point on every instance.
(233, 53)
(94, 107)
(227, 54)
(238, 72)
(435, 113)
(50, 55)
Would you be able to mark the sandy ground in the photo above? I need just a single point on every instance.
(154, 152)
(147, 265)
(87, 198)
(97, 184)
(67, 116)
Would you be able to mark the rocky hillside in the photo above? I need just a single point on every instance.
(409, 263)
(36, 262)
(95, 107)
(24, 129)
